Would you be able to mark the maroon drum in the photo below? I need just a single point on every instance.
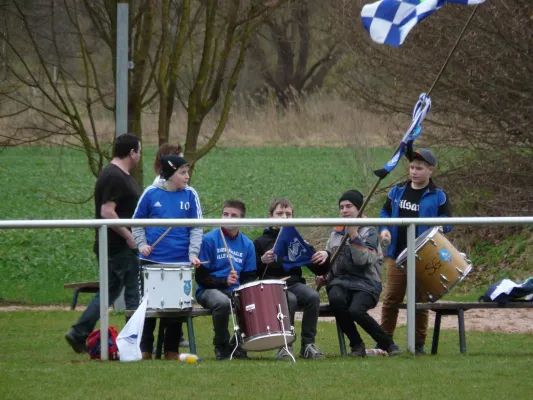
(262, 310)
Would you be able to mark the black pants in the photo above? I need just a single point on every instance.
(172, 334)
(352, 306)
(172, 328)
(304, 298)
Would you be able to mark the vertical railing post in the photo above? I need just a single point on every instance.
(411, 287)
(121, 101)
(104, 292)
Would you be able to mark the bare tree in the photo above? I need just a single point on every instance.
(62, 69)
(482, 102)
(306, 44)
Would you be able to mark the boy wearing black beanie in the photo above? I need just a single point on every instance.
(354, 280)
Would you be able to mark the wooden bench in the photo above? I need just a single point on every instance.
(453, 308)
(198, 311)
(82, 287)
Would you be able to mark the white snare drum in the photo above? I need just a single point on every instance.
(169, 286)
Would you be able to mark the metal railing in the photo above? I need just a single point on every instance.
(411, 223)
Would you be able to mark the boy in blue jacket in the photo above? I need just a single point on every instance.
(216, 279)
(419, 197)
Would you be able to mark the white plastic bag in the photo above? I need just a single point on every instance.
(129, 338)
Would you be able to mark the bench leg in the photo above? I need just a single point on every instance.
(75, 299)
(190, 333)
(462, 336)
(342, 343)
(160, 339)
(436, 333)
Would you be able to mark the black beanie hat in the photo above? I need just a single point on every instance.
(170, 164)
(353, 196)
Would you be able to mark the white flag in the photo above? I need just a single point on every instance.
(129, 338)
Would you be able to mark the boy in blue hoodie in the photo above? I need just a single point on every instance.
(217, 279)
(419, 197)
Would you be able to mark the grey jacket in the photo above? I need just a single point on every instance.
(358, 266)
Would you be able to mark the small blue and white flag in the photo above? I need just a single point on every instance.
(422, 107)
(389, 21)
(292, 249)
(129, 338)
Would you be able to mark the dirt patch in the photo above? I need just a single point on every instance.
(505, 320)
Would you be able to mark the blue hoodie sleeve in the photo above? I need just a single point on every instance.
(445, 209)
(386, 210)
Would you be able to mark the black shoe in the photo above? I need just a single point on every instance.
(394, 350)
(420, 350)
(76, 341)
(239, 352)
(221, 353)
(358, 351)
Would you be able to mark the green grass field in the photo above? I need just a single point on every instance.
(37, 363)
(36, 263)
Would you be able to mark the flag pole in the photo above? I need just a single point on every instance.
(359, 214)
(279, 234)
(273, 247)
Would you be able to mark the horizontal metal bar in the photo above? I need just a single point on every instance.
(96, 223)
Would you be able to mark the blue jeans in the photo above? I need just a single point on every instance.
(123, 272)
(219, 302)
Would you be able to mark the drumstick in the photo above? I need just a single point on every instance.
(227, 250)
(161, 237)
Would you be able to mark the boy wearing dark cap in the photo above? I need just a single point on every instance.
(354, 281)
(169, 197)
(418, 197)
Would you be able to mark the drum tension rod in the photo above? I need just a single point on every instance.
(444, 278)
(460, 270)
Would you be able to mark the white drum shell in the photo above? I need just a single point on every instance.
(169, 286)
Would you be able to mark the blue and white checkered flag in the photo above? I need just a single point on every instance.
(389, 21)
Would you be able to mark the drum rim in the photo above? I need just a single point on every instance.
(425, 237)
(288, 334)
(167, 267)
(255, 283)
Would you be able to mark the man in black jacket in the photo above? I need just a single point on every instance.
(300, 295)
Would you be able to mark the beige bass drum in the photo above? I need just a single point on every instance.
(439, 266)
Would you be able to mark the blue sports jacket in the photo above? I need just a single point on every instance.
(430, 202)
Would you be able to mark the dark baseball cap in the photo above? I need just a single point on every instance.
(425, 155)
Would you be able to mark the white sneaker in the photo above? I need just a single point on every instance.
(311, 351)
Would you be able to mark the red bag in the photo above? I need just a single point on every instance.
(94, 347)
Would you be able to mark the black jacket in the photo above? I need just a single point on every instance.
(275, 270)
